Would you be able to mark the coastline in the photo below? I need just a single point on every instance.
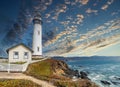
(53, 73)
(101, 70)
(58, 73)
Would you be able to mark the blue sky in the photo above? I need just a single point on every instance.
(70, 27)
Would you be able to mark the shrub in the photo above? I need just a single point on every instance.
(17, 83)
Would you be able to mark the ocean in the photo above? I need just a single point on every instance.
(99, 69)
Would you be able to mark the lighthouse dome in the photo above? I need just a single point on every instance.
(37, 19)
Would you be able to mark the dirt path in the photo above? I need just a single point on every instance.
(6, 75)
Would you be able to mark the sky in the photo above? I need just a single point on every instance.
(70, 27)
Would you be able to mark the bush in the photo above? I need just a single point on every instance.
(50, 70)
(79, 83)
(17, 83)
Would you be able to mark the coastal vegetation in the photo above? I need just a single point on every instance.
(37, 58)
(58, 73)
(17, 83)
(79, 83)
(18, 62)
(44, 70)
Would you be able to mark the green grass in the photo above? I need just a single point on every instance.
(40, 70)
(79, 83)
(37, 58)
(17, 83)
(44, 70)
(17, 62)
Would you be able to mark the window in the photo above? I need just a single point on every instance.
(38, 49)
(38, 32)
(26, 55)
(16, 55)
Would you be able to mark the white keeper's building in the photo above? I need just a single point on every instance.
(22, 53)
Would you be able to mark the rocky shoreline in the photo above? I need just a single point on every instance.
(58, 73)
(112, 80)
(70, 72)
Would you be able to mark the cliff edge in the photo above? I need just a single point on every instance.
(58, 73)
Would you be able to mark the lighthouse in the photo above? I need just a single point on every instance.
(37, 36)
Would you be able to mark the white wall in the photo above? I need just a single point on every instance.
(21, 49)
(37, 39)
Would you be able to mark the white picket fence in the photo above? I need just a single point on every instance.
(16, 67)
(13, 67)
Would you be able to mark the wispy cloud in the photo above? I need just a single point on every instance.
(48, 2)
(41, 5)
(84, 2)
(97, 39)
(61, 8)
(66, 33)
(65, 23)
(89, 10)
(67, 1)
(47, 15)
(79, 19)
(105, 6)
(115, 12)
(74, 2)
(90, 49)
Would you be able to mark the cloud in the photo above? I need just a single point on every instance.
(105, 6)
(79, 19)
(115, 12)
(109, 2)
(95, 46)
(47, 15)
(61, 8)
(89, 10)
(64, 39)
(56, 38)
(69, 18)
(83, 2)
(65, 23)
(68, 39)
(41, 5)
(66, 33)
(74, 2)
(73, 20)
(70, 42)
(99, 38)
(48, 2)
(65, 45)
(48, 21)
(67, 2)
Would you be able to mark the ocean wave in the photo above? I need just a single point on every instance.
(99, 73)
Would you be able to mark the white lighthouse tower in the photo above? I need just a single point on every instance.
(37, 36)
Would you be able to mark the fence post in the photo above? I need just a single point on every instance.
(8, 67)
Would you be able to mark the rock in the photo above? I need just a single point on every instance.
(87, 72)
(117, 78)
(77, 74)
(84, 75)
(115, 83)
(80, 66)
(74, 78)
(105, 82)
